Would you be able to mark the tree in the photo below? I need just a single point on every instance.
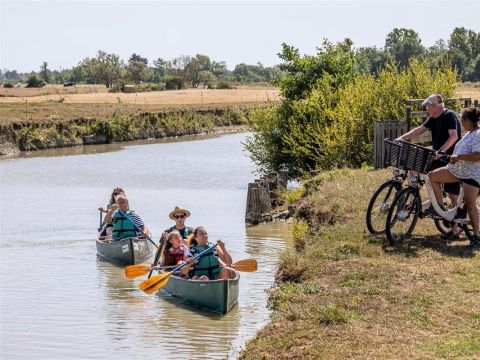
(105, 68)
(137, 71)
(464, 48)
(44, 72)
(135, 57)
(302, 73)
(370, 60)
(403, 44)
(196, 65)
(159, 70)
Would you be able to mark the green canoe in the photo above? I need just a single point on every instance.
(215, 295)
(128, 251)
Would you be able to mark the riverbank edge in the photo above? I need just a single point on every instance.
(342, 293)
(120, 127)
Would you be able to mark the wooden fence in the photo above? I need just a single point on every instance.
(263, 194)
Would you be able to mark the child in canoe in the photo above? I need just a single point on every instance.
(174, 251)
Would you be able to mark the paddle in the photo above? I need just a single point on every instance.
(137, 228)
(157, 255)
(101, 211)
(156, 282)
(133, 271)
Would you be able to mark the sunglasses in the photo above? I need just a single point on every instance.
(116, 193)
(179, 216)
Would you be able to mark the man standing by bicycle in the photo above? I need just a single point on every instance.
(445, 128)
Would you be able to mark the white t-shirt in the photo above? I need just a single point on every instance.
(470, 143)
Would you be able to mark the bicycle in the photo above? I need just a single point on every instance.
(386, 192)
(407, 206)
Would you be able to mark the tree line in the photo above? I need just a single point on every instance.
(181, 72)
(461, 51)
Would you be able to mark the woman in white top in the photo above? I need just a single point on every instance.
(464, 166)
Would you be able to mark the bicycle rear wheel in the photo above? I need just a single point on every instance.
(379, 205)
(403, 215)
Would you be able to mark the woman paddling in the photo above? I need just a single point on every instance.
(212, 265)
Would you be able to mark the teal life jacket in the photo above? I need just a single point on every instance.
(122, 226)
(207, 264)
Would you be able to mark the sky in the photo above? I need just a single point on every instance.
(62, 33)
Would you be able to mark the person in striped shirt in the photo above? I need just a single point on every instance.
(126, 223)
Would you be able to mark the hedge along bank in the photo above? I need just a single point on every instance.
(117, 127)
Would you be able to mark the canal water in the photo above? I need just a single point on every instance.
(58, 300)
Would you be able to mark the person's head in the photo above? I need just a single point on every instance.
(179, 214)
(115, 193)
(122, 202)
(175, 239)
(470, 118)
(434, 105)
(200, 235)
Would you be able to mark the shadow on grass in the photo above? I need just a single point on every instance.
(411, 246)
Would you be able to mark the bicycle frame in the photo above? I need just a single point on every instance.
(448, 215)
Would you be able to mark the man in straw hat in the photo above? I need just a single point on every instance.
(179, 215)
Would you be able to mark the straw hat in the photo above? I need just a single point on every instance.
(178, 210)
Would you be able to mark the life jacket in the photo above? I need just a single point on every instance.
(175, 255)
(184, 233)
(122, 226)
(207, 264)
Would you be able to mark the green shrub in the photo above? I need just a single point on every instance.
(34, 82)
(8, 85)
(224, 85)
(333, 127)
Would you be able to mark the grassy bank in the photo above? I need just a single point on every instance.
(115, 127)
(342, 293)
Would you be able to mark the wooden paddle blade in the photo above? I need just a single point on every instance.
(156, 282)
(247, 265)
(134, 271)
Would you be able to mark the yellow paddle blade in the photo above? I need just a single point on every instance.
(156, 282)
(247, 265)
(134, 271)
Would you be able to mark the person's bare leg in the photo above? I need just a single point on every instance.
(437, 178)
(470, 198)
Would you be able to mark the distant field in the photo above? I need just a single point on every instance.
(171, 97)
(22, 91)
(471, 90)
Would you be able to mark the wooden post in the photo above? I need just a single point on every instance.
(408, 115)
(475, 103)
(254, 215)
(282, 180)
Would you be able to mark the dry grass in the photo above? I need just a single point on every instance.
(164, 98)
(61, 107)
(52, 90)
(469, 89)
(350, 295)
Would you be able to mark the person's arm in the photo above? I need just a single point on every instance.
(466, 157)
(223, 253)
(450, 141)
(419, 130)
(109, 215)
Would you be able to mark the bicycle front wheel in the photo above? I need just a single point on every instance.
(379, 205)
(403, 215)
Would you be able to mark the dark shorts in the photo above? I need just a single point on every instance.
(450, 188)
(470, 182)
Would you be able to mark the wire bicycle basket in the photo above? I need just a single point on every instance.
(415, 157)
(392, 153)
